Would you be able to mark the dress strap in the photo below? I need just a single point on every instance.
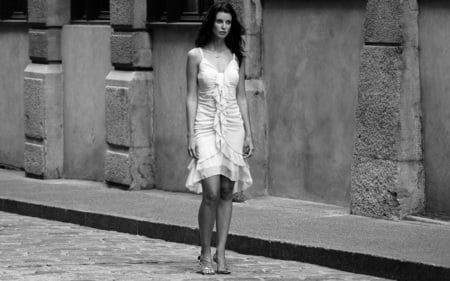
(201, 51)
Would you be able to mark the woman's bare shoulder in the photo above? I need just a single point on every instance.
(194, 55)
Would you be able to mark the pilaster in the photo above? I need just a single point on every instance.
(43, 86)
(129, 160)
(387, 172)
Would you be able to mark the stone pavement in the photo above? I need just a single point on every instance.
(273, 227)
(37, 249)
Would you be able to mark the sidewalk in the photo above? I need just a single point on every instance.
(274, 227)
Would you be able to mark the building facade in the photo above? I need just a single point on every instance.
(348, 98)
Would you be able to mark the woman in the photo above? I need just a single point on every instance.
(219, 132)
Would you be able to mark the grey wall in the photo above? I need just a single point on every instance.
(434, 34)
(170, 47)
(87, 61)
(13, 60)
(311, 68)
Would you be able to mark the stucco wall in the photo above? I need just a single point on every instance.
(311, 69)
(13, 60)
(170, 47)
(434, 23)
(86, 61)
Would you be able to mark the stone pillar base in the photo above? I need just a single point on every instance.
(387, 189)
(43, 89)
(129, 160)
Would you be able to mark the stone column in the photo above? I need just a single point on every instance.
(43, 86)
(129, 160)
(387, 178)
(250, 15)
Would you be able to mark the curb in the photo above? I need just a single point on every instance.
(337, 259)
(426, 220)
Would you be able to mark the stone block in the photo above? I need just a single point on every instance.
(410, 108)
(253, 61)
(134, 169)
(378, 110)
(382, 23)
(117, 167)
(138, 88)
(142, 168)
(409, 23)
(250, 14)
(386, 189)
(49, 12)
(37, 11)
(131, 49)
(378, 128)
(410, 101)
(45, 44)
(34, 159)
(118, 131)
(129, 105)
(373, 185)
(34, 108)
(238, 5)
(128, 13)
(46, 80)
(411, 187)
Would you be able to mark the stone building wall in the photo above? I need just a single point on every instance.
(434, 33)
(170, 105)
(311, 68)
(334, 89)
(13, 60)
(84, 99)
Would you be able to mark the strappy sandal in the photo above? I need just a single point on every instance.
(223, 270)
(206, 267)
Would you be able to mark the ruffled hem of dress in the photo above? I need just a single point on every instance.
(228, 152)
(218, 165)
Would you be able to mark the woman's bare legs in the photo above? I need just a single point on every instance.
(207, 218)
(224, 212)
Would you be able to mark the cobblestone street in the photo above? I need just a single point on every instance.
(37, 249)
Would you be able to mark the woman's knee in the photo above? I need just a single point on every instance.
(211, 198)
(211, 190)
(226, 193)
(226, 188)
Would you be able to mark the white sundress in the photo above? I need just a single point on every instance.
(218, 128)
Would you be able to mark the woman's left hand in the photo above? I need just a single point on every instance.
(248, 147)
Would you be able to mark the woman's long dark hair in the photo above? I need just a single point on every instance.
(234, 39)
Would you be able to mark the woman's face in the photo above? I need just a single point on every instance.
(222, 25)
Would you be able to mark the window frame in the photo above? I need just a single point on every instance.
(90, 12)
(13, 11)
(174, 12)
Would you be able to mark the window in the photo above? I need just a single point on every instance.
(90, 10)
(177, 11)
(13, 10)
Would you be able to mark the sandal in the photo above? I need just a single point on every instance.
(206, 267)
(223, 270)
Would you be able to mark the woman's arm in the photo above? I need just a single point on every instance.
(241, 97)
(193, 60)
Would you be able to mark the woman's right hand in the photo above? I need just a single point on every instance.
(192, 148)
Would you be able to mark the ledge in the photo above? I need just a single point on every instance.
(21, 23)
(90, 22)
(178, 23)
